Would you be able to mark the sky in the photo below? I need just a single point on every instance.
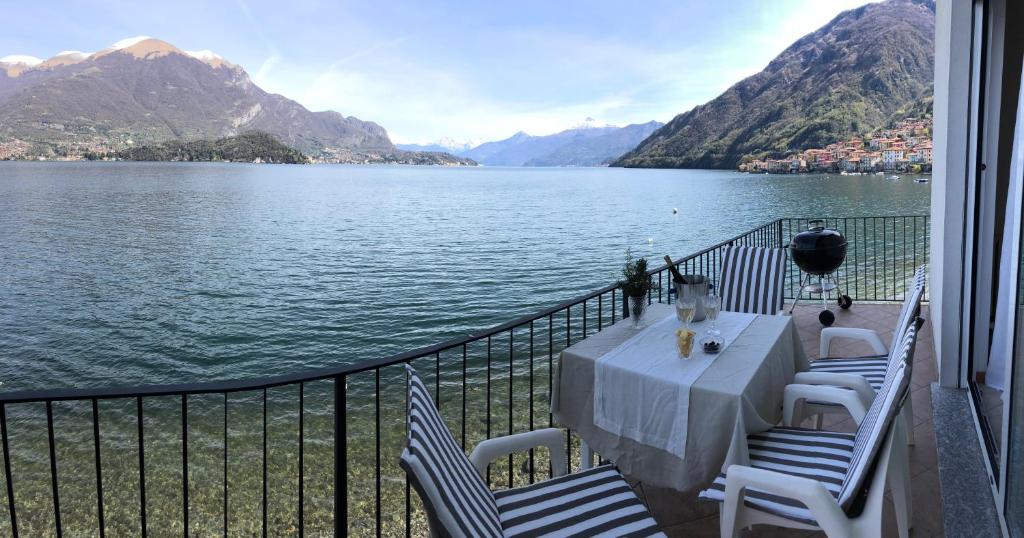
(468, 71)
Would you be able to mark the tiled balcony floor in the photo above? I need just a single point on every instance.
(681, 515)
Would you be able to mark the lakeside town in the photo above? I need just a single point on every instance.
(906, 147)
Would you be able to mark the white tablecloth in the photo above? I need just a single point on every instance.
(642, 387)
(743, 385)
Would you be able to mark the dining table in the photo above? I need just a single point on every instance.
(664, 419)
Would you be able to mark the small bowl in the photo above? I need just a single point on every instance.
(711, 345)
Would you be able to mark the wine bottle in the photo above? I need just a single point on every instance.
(676, 275)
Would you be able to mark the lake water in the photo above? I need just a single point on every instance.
(131, 273)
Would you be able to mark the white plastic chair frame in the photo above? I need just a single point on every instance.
(890, 468)
(856, 382)
(491, 449)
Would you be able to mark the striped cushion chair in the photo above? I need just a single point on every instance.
(596, 502)
(752, 279)
(865, 373)
(814, 480)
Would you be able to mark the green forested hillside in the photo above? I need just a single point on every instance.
(246, 147)
(853, 75)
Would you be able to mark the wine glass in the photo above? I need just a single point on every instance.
(712, 306)
(686, 308)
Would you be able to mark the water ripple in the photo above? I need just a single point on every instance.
(124, 273)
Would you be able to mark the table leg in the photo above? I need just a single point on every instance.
(586, 456)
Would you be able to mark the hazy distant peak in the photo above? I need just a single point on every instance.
(455, 145)
(591, 123)
(447, 140)
(590, 143)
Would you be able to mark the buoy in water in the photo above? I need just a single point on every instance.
(650, 240)
(675, 210)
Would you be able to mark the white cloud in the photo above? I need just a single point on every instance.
(538, 80)
(262, 77)
(422, 104)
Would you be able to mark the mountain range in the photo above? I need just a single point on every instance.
(590, 143)
(144, 91)
(860, 71)
(444, 145)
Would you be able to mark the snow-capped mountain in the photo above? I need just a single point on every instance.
(21, 59)
(588, 143)
(149, 91)
(15, 64)
(443, 145)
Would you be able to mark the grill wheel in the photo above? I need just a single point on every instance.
(827, 318)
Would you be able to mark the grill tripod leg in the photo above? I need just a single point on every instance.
(798, 295)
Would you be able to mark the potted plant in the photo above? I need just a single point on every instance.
(635, 284)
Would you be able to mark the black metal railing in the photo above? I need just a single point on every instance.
(316, 452)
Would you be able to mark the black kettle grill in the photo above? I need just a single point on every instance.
(818, 252)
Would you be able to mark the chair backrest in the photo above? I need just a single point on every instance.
(908, 313)
(752, 279)
(456, 498)
(878, 421)
(921, 276)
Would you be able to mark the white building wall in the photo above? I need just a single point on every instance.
(951, 115)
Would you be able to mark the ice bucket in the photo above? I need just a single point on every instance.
(695, 286)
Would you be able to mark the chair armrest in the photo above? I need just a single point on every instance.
(491, 449)
(864, 335)
(820, 393)
(811, 493)
(853, 382)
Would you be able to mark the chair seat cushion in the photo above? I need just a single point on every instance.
(871, 367)
(818, 455)
(595, 502)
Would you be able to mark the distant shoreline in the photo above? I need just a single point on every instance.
(813, 173)
(478, 166)
(311, 163)
(252, 147)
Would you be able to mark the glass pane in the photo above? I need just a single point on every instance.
(1015, 455)
(986, 370)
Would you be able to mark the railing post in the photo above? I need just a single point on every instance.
(302, 470)
(99, 467)
(340, 459)
(53, 468)
(142, 465)
(7, 470)
(184, 463)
